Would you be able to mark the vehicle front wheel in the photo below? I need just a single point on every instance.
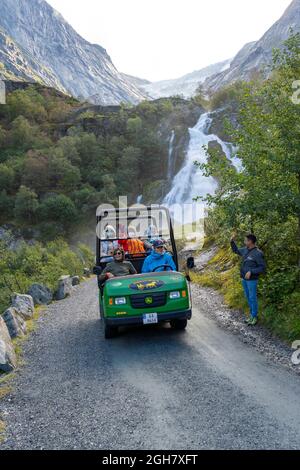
(179, 324)
(110, 332)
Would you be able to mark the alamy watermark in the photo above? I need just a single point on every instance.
(187, 220)
(2, 92)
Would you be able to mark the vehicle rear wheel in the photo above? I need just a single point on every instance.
(110, 331)
(101, 309)
(179, 324)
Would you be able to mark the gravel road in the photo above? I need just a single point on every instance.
(150, 388)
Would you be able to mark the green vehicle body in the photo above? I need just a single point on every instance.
(153, 297)
(165, 294)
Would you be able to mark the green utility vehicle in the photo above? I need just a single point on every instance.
(141, 299)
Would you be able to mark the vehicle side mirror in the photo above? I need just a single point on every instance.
(190, 263)
(97, 270)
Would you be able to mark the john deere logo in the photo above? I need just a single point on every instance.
(146, 285)
(148, 300)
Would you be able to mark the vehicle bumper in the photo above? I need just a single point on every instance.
(138, 320)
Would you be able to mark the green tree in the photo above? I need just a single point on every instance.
(134, 126)
(264, 196)
(6, 207)
(28, 103)
(59, 209)
(128, 170)
(68, 146)
(7, 176)
(63, 175)
(35, 172)
(22, 134)
(3, 136)
(26, 205)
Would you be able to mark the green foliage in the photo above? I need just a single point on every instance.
(70, 161)
(199, 97)
(134, 126)
(6, 177)
(22, 133)
(58, 208)
(27, 103)
(38, 263)
(264, 197)
(26, 205)
(230, 94)
(7, 204)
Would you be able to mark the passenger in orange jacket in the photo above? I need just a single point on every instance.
(135, 246)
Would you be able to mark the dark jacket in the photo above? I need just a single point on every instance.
(118, 269)
(253, 261)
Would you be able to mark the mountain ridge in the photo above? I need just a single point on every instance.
(185, 85)
(61, 57)
(257, 55)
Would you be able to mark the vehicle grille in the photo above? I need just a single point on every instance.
(139, 301)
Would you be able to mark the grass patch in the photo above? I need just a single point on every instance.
(2, 430)
(223, 274)
(5, 390)
(31, 326)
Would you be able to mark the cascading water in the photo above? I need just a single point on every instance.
(190, 182)
(170, 155)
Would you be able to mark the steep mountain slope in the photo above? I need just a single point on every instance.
(138, 82)
(52, 48)
(257, 55)
(14, 65)
(185, 85)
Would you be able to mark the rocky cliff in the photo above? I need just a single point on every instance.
(257, 56)
(45, 47)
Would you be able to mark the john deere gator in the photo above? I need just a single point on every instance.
(141, 299)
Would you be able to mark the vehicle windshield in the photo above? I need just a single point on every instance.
(144, 224)
(133, 230)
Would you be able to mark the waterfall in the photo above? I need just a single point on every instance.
(170, 155)
(190, 182)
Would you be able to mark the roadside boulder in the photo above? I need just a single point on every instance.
(14, 322)
(24, 305)
(8, 360)
(87, 272)
(64, 288)
(75, 281)
(41, 294)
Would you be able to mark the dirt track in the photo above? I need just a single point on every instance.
(151, 387)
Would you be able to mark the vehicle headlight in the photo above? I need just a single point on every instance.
(175, 295)
(120, 301)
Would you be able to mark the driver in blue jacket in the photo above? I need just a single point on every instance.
(158, 258)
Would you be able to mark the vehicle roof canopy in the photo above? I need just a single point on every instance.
(139, 222)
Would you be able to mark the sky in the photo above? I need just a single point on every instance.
(163, 39)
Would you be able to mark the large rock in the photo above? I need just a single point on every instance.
(14, 322)
(41, 294)
(8, 360)
(87, 272)
(75, 281)
(64, 288)
(24, 305)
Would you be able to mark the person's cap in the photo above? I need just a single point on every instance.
(158, 243)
